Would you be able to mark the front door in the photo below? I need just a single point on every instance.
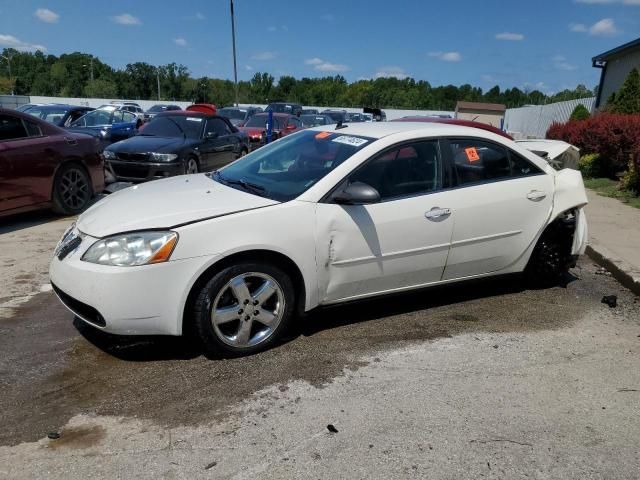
(401, 242)
(218, 146)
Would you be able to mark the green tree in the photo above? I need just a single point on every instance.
(101, 88)
(627, 99)
(580, 113)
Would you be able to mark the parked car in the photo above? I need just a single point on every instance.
(238, 116)
(309, 111)
(44, 166)
(337, 115)
(284, 107)
(454, 121)
(368, 117)
(27, 106)
(132, 107)
(60, 115)
(317, 218)
(207, 108)
(283, 124)
(316, 120)
(355, 117)
(108, 123)
(174, 143)
(159, 108)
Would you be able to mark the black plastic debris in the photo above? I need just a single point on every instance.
(332, 429)
(211, 465)
(610, 300)
(53, 435)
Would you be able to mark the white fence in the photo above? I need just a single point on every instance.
(534, 121)
(96, 102)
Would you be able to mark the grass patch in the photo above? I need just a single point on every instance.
(611, 188)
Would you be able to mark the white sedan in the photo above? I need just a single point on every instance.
(326, 215)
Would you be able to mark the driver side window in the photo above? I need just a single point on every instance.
(407, 170)
(215, 125)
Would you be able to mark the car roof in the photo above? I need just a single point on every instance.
(382, 129)
(275, 114)
(62, 105)
(455, 121)
(187, 113)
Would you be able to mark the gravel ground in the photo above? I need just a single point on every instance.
(477, 380)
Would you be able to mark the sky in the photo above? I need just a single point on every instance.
(540, 44)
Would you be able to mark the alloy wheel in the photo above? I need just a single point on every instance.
(248, 309)
(74, 189)
(192, 166)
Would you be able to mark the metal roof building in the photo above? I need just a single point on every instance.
(616, 65)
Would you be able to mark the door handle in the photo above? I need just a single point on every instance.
(536, 195)
(437, 213)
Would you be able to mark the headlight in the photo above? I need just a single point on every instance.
(130, 249)
(109, 155)
(163, 157)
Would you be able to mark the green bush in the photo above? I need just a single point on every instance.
(630, 181)
(580, 113)
(592, 166)
(627, 99)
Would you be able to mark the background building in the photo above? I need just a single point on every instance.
(489, 113)
(616, 65)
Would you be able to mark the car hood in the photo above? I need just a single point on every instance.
(142, 144)
(166, 203)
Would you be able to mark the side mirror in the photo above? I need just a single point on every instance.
(357, 193)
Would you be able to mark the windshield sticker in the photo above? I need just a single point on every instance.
(472, 154)
(321, 135)
(193, 119)
(347, 140)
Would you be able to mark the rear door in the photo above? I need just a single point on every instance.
(502, 201)
(123, 125)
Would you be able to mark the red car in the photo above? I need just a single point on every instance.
(44, 166)
(455, 121)
(283, 124)
(208, 108)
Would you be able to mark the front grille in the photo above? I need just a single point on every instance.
(130, 171)
(133, 157)
(82, 310)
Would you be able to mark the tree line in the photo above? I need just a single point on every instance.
(83, 75)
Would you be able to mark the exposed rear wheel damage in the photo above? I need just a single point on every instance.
(551, 258)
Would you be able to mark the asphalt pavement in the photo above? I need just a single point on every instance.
(480, 380)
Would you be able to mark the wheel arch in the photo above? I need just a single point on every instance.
(259, 255)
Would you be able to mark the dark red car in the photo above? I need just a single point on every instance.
(44, 166)
(283, 124)
(455, 121)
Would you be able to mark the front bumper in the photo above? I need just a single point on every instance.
(128, 171)
(142, 300)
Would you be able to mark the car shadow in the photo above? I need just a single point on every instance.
(164, 348)
(20, 221)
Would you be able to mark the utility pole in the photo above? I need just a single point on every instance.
(8, 58)
(158, 78)
(233, 39)
(91, 69)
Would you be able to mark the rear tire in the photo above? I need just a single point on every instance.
(243, 309)
(191, 166)
(72, 190)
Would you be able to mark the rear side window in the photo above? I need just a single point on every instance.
(11, 128)
(476, 161)
(410, 169)
(32, 129)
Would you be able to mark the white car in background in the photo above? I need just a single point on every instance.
(327, 215)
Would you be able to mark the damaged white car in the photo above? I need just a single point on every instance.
(326, 215)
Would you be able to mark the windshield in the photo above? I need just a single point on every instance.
(315, 120)
(337, 116)
(232, 113)
(260, 121)
(174, 126)
(283, 170)
(95, 118)
(48, 114)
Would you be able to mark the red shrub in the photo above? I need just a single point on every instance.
(614, 136)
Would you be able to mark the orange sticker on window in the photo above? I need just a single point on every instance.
(472, 154)
(321, 135)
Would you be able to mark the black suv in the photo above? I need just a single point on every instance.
(284, 107)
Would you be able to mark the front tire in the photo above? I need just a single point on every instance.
(72, 190)
(191, 166)
(244, 309)
(551, 257)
